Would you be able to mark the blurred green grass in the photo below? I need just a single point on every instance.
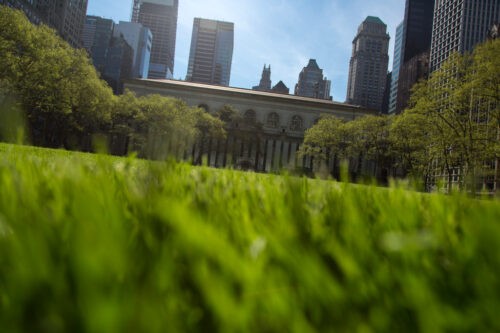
(93, 243)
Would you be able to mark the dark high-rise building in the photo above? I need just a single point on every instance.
(459, 25)
(265, 81)
(65, 16)
(387, 94)
(312, 83)
(109, 50)
(416, 44)
(211, 53)
(160, 16)
(396, 66)
(97, 34)
(368, 65)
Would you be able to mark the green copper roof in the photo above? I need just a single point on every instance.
(374, 19)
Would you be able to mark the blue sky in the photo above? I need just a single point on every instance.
(282, 33)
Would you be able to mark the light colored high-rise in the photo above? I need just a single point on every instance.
(140, 39)
(459, 25)
(160, 16)
(312, 83)
(211, 53)
(368, 65)
(396, 65)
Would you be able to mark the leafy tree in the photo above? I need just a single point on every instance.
(325, 139)
(369, 142)
(57, 86)
(412, 145)
(460, 100)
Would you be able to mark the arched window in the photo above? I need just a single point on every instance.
(204, 107)
(296, 124)
(273, 120)
(250, 117)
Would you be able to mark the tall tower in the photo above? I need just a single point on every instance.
(396, 65)
(459, 25)
(160, 16)
(211, 53)
(98, 32)
(417, 33)
(265, 81)
(311, 82)
(65, 16)
(368, 65)
(140, 39)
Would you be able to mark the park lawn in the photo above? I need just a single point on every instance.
(93, 243)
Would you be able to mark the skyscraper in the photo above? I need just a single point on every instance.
(118, 67)
(396, 65)
(459, 25)
(211, 53)
(97, 33)
(109, 50)
(368, 65)
(140, 39)
(265, 81)
(416, 44)
(65, 16)
(160, 16)
(312, 83)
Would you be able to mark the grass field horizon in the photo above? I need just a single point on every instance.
(94, 243)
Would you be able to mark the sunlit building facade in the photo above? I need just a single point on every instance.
(160, 16)
(211, 54)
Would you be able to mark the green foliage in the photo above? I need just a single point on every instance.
(65, 104)
(461, 102)
(158, 127)
(90, 243)
(365, 138)
(58, 88)
(452, 127)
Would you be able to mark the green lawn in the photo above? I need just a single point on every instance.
(91, 243)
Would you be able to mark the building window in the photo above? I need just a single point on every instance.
(296, 124)
(273, 120)
(250, 117)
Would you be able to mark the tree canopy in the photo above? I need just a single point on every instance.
(66, 104)
(450, 130)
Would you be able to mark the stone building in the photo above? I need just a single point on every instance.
(160, 16)
(368, 64)
(265, 80)
(211, 53)
(312, 83)
(272, 125)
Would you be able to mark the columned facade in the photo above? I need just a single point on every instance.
(270, 127)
